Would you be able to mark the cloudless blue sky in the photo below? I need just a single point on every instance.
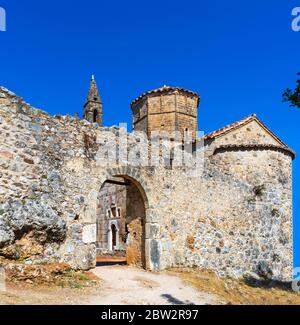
(238, 55)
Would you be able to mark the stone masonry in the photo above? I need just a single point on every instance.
(235, 217)
(166, 109)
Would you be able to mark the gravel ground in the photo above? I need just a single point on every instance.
(128, 286)
(120, 285)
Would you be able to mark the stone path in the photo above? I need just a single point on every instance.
(126, 285)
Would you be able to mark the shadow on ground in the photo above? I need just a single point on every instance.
(269, 284)
(110, 263)
(174, 301)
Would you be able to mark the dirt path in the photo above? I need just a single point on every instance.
(129, 286)
(120, 285)
(125, 285)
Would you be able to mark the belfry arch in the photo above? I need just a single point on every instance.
(126, 225)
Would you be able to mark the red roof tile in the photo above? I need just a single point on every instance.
(242, 147)
(164, 90)
(238, 124)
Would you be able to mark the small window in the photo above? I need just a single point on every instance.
(113, 210)
(95, 115)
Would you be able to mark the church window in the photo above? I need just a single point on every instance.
(95, 114)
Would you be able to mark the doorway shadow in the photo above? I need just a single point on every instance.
(111, 263)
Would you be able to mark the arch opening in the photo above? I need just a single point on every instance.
(95, 116)
(114, 237)
(121, 222)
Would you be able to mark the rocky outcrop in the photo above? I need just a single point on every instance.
(27, 226)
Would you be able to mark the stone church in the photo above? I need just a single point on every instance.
(60, 200)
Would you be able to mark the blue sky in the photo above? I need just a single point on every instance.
(238, 55)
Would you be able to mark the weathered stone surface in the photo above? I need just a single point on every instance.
(42, 220)
(78, 255)
(26, 226)
(152, 230)
(264, 270)
(6, 234)
(155, 254)
(89, 234)
(180, 108)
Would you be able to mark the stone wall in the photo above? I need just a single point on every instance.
(237, 219)
(233, 218)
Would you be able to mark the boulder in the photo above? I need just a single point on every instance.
(42, 220)
(27, 226)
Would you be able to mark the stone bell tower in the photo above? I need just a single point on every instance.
(93, 106)
(168, 109)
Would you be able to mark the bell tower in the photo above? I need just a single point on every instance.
(93, 106)
(167, 109)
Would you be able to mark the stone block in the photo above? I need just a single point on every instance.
(151, 216)
(153, 254)
(89, 233)
(152, 231)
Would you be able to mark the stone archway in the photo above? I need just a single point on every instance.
(149, 243)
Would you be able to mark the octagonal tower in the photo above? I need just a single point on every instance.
(166, 109)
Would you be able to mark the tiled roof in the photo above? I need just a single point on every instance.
(238, 124)
(164, 89)
(245, 147)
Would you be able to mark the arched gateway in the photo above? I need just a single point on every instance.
(126, 225)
